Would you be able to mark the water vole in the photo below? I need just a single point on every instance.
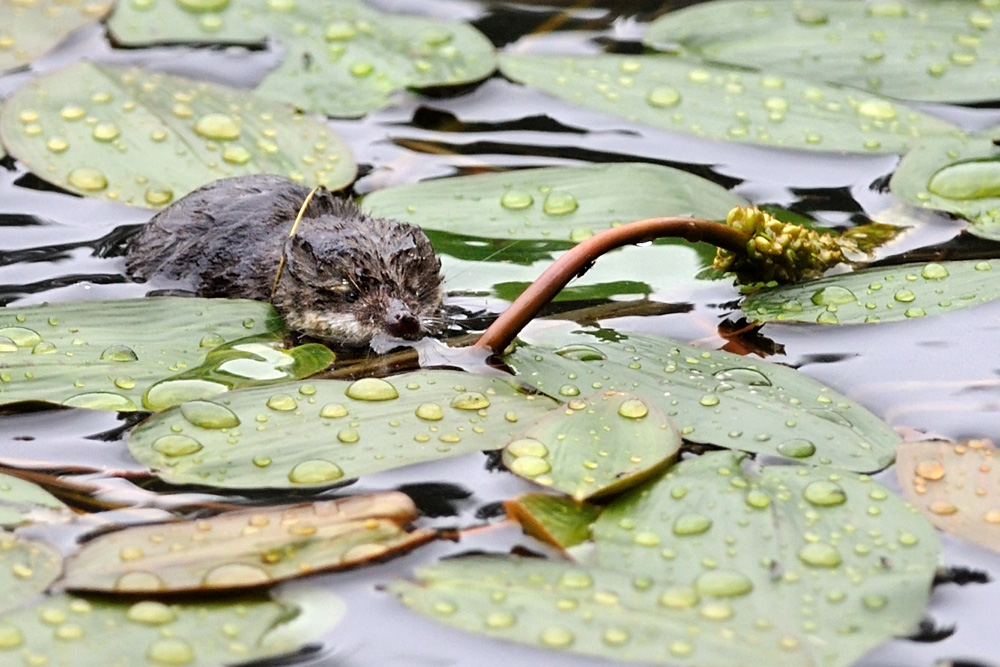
(347, 276)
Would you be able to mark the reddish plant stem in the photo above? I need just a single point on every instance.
(503, 330)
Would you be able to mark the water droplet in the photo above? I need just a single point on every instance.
(529, 466)
(88, 179)
(430, 412)
(877, 109)
(235, 575)
(57, 144)
(691, 524)
(371, 389)
(101, 400)
(72, 112)
(333, 411)
(516, 200)
(168, 393)
(942, 508)
(716, 611)
(633, 408)
(527, 447)
(708, 400)
(757, 499)
(824, 493)
(559, 202)
(556, 637)
(149, 612)
(904, 296)
(10, 637)
(679, 597)
(820, 554)
(361, 69)
(500, 619)
(680, 648)
(139, 580)
(158, 195)
(176, 444)
(207, 414)
(119, 353)
(339, 31)
(576, 579)
(170, 650)
(811, 16)
(282, 403)
(797, 448)
(723, 583)
(470, 400)
(348, 435)
(105, 132)
(44, 347)
(663, 97)
(972, 179)
(833, 295)
(236, 155)
(874, 602)
(217, 126)
(315, 471)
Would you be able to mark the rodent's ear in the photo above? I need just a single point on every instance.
(299, 253)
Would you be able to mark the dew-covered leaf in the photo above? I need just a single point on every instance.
(331, 431)
(146, 139)
(728, 104)
(554, 203)
(930, 50)
(27, 568)
(31, 29)
(141, 353)
(716, 398)
(712, 564)
(342, 58)
(557, 520)
(957, 486)
(22, 502)
(957, 175)
(878, 294)
(75, 631)
(246, 549)
(597, 446)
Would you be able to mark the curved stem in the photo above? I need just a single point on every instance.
(576, 261)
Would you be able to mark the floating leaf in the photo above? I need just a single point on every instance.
(551, 204)
(956, 486)
(917, 50)
(728, 104)
(146, 139)
(718, 398)
(560, 521)
(342, 58)
(30, 29)
(878, 294)
(26, 569)
(73, 631)
(599, 445)
(331, 431)
(129, 355)
(960, 176)
(246, 549)
(21, 501)
(713, 564)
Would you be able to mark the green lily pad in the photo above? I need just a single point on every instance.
(31, 29)
(147, 139)
(712, 564)
(878, 294)
(331, 431)
(598, 446)
(74, 631)
(929, 50)
(956, 486)
(132, 354)
(715, 397)
(246, 549)
(342, 58)
(728, 104)
(21, 501)
(557, 520)
(553, 204)
(960, 176)
(26, 569)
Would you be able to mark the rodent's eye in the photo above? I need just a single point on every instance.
(351, 296)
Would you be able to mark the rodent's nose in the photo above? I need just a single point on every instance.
(401, 322)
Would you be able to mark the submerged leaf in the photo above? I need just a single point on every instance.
(960, 176)
(560, 521)
(717, 398)
(878, 294)
(597, 446)
(712, 564)
(341, 58)
(21, 501)
(147, 139)
(956, 486)
(929, 50)
(309, 435)
(246, 549)
(26, 569)
(552, 204)
(31, 29)
(728, 104)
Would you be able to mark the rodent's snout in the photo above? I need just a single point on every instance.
(401, 322)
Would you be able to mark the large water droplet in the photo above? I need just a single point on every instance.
(167, 393)
(973, 179)
(235, 575)
(315, 471)
(834, 295)
(556, 637)
(430, 412)
(101, 400)
(470, 400)
(516, 200)
(663, 97)
(120, 353)
(558, 202)
(176, 444)
(282, 403)
(820, 554)
(633, 408)
(149, 612)
(217, 126)
(88, 179)
(797, 448)
(371, 389)
(691, 524)
(824, 493)
(207, 414)
(170, 651)
(723, 583)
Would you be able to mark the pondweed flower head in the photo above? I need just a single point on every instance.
(778, 251)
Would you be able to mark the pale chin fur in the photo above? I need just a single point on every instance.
(340, 328)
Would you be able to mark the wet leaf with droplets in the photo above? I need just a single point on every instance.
(341, 58)
(325, 432)
(879, 294)
(27, 568)
(560, 521)
(147, 139)
(596, 446)
(31, 29)
(960, 176)
(728, 104)
(119, 355)
(915, 50)
(512, 205)
(246, 549)
(22, 502)
(956, 486)
(715, 397)
(715, 563)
